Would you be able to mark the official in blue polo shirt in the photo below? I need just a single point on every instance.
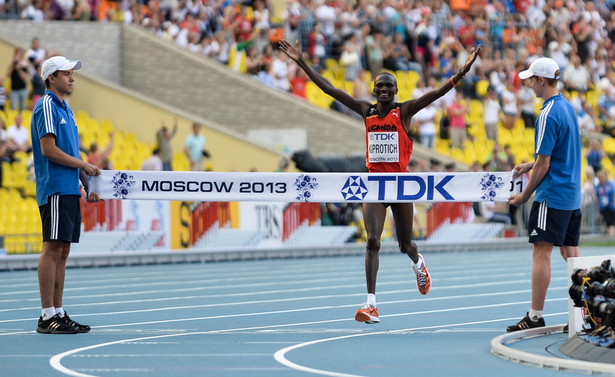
(59, 168)
(555, 218)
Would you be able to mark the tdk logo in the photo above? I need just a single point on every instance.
(399, 188)
(385, 136)
(354, 188)
(425, 188)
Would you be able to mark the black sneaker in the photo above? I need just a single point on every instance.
(526, 323)
(80, 328)
(55, 325)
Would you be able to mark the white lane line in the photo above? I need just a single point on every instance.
(231, 283)
(421, 299)
(202, 287)
(288, 276)
(280, 355)
(56, 360)
(291, 299)
(328, 307)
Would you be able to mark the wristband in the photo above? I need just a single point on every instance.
(453, 81)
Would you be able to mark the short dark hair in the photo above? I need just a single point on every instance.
(55, 74)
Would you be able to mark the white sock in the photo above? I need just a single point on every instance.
(48, 313)
(371, 299)
(60, 311)
(535, 315)
(418, 265)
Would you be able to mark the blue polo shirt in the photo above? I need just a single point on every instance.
(52, 116)
(557, 135)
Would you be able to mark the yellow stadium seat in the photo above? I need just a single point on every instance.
(457, 154)
(481, 88)
(608, 144)
(349, 86)
(7, 175)
(328, 74)
(504, 136)
(331, 64)
(592, 97)
(107, 125)
(413, 79)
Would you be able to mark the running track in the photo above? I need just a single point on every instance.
(283, 317)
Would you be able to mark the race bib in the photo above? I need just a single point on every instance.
(383, 147)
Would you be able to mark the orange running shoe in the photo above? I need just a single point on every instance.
(367, 314)
(423, 281)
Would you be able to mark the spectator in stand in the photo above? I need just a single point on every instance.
(2, 94)
(242, 25)
(401, 55)
(497, 159)
(576, 77)
(260, 40)
(220, 48)
(420, 89)
(457, 116)
(194, 148)
(510, 157)
(36, 54)
(153, 162)
(326, 15)
(99, 158)
(350, 59)
(18, 137)
(298, 78)
(291, 16)
(435, 165)
(559, 48)
(317, 42)
(586, 120)
(373, 44)
(606, 106)
(3, 151)
(261, 15)
(589, 197)
(306, 23)
(265, 75)
(279, 70)
(526, 98)
(491, 114)
(38, 85)
(33, 11)
(254, 62)
(361, 87)
(447, 63)
(595, 154)
(163, 137)
(425, 122)
(606, 200)
(509, 105)
(19, 73)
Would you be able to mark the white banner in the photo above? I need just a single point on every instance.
(306, 187)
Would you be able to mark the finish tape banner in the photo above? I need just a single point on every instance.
(306, 187)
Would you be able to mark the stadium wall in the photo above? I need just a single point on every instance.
(98, 45)
(133, 112)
